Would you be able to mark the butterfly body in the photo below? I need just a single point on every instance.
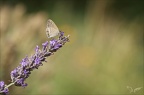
(51, 29)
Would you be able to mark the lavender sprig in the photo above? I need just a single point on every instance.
(28, 64)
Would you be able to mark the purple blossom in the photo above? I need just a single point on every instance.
(45, 45)
(3, 89)
(37, 49)
(28, 64)
(54, 45)
(25, 61)
(37, 61)
(61, 35)
(20, 82)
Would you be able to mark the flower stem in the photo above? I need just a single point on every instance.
(9, 85)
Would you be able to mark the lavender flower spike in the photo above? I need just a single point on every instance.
(28, 64)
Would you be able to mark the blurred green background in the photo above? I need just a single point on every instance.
(104, 56)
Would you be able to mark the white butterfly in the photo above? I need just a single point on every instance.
(51, 29)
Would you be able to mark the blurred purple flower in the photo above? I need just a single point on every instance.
(54, 45)
(3, 88)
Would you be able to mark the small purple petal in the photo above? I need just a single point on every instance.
(61, 34)
(20, 82)
(14, 74)
(45, 44)
(25, 61)
(37, 61)
(37, 49)
(1, 84)
(54, 45)
(3, 89)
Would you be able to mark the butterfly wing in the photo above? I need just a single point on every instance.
(51, 30)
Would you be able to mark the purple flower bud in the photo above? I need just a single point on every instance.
(25, 61)
(37, 61)
(54, 45)
(3, 89)
(1, 84)
(61, 34)
(45, 45)
(20, 82)
(15, 74)
(37, 49)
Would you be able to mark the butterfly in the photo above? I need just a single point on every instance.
(51, 29)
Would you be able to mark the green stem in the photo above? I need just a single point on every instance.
(9, 85)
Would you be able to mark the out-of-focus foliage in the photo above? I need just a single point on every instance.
(104, 55)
